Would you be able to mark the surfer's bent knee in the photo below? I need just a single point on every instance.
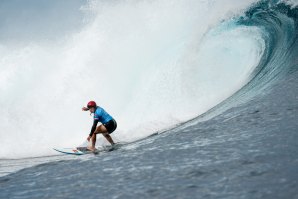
(101, 129)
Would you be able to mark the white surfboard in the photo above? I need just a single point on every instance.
(75, 151)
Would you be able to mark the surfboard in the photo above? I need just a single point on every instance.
(75, 151)
(108, 148)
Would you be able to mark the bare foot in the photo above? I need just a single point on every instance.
(91, 149)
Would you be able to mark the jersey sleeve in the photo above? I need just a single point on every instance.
(93, 127)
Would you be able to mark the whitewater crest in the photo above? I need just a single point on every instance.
(152, 65)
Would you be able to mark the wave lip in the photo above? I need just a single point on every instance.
(277, 26)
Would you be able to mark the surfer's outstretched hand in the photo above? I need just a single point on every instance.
(85, 109)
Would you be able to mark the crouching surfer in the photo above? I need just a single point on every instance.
(108, 124)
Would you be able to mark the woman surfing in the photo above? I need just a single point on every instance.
(108, 124)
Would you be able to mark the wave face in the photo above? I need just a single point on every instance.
(277, 25)
(152, 65)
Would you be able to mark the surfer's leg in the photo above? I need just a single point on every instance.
(102, 129)
(109, 138)
(93, 139)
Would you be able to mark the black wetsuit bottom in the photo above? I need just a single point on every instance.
(111, 126)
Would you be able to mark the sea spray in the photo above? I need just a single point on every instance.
(151, 65)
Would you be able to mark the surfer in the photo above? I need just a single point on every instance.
(108, 124)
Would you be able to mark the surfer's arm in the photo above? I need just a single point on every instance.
(93, 127)
(85, 109)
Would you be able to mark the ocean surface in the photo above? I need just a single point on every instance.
(241, 143)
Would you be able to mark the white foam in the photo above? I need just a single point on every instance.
(292, 3)
(149, 63)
